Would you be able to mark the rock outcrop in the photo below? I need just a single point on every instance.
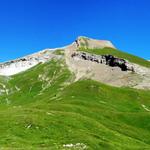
(109, 60)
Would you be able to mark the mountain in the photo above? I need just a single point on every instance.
(24, 63)
(87, 95)
(96, 71)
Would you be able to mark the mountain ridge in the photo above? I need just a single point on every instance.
(38, 57)
(85, 69)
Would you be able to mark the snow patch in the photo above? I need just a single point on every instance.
(25, 63)
(16, 67)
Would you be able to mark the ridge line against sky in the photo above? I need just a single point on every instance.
(28, 26)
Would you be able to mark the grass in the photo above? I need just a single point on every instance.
(59, 52)
(50, 110)
(118, 53)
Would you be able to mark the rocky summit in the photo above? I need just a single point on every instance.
(86, 95)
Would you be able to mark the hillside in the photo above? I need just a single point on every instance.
(54, 105)
(44, 109)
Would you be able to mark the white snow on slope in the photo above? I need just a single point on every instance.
(15, 68)
(25, 63)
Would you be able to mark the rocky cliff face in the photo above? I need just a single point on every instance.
(108, 59)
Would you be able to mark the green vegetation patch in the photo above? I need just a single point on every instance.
(59, 52)
(47, 110)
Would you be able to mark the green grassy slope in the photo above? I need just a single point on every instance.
(43, 109)
(119, 54)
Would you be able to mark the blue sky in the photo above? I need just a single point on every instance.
(27, 26)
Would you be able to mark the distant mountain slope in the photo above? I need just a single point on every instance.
(43, 108)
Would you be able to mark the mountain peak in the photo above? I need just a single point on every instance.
(86, 42)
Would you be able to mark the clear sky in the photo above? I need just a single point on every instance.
(27, 26)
